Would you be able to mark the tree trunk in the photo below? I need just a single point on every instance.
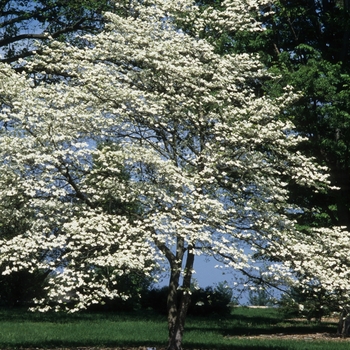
(344, 323)
(177, 309)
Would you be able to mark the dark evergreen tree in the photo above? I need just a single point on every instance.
(307, 43)
(23, 23)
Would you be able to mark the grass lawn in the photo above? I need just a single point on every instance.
(244, 329)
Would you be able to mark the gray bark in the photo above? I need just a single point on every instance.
(178, 304)
(344, 323)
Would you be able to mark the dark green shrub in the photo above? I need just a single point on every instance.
(210, 301)
(156, 299)
(132, 284)
(260, 297)
(311, 303)
(20, 288)
(204, 302)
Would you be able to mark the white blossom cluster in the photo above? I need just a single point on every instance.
(207, 161)
(321, 260)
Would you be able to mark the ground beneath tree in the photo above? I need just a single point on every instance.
(304, 336)
(287, 336)
(307, 336)
(98, 348)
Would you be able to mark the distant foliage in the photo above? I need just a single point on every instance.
(134, 284)
(260, 297)
(19, 288)
(204, 301)
(156, 299)
(210, 301)
(307, 303)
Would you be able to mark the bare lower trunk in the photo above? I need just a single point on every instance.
(175, 337)
(344, 323)
(176, 322)
(177, 309)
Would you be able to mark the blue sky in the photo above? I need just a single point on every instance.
(206, 274)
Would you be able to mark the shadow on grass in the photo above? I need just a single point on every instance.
(57, 344)
(250, 323)
(240, 323)
(235, 346)
(16, 315)
(125, 345)
(255, 330)
(297, 328)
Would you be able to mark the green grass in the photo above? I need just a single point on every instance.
(19, 329)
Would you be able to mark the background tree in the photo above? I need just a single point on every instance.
(314, 57)
(307, 44)
(208, 158)
(309, 47)
(22, 23)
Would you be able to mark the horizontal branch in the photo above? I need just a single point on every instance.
(16, 38)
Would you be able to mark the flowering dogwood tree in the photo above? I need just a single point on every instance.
(208, 160)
